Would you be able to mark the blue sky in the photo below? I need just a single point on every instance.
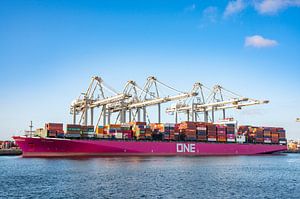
(50, 49)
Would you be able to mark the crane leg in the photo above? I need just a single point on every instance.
(144, 114)
(108, 116)
(205, 116)
(104, 115)
(213, 114)
(139, 114)
(124, 117)
(129, 115)
(74, 115)
(92, 116)
(159, 113)
(85, 117)
(193, 113)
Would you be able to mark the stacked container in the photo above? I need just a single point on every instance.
(221, 133)
(148, 133)
(259, 135)
(243, 130)
(211, 132)
(126, 131)
(87, 131)
(201, 131)
(251, 134)
(282, 138)
(114, 131)
(168, 131)
(188, 131)
(100, 132)
(230, 132)
(267, 135)
(40, 132)
(73, 131)
(177, 132)
(157, 131)
(139, 130)
(54, 129)
(274, 136)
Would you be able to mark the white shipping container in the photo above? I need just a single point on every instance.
(230, 140)
(212, 139)
(240, 138)
(267, 141)
(88, 133)
(282, 142)
(125, 125)
(201, 128)
(119, 135)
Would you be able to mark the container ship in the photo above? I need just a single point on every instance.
(132, 136)
(186, 138)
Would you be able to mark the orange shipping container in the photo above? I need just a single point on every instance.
(54, 126)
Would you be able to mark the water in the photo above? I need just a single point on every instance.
(269, 176)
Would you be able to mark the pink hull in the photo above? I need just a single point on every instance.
(53, 147)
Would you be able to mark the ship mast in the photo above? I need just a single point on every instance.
(30, 132)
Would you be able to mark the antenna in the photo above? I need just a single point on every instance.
(31, 126)
(30, 132)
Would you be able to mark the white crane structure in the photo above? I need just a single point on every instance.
(218, 99)
(131, 104)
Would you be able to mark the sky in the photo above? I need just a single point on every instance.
(49, 50)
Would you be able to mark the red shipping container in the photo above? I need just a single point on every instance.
(54, 126)
(201, 138)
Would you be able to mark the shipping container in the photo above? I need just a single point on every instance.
(54, 126)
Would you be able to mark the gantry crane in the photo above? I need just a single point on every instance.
(141, 98)
(87, 100)
(134, 100)
(215, 101)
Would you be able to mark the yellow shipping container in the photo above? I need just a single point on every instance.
(99, 130)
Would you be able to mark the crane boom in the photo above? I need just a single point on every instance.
(109, 100)
(238, 106)
(161, 100)
(202, 107)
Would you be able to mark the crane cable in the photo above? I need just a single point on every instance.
(170, 87)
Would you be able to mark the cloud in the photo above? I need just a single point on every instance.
(274, 6)
(234, 7)
(258, 41)
(190, 8)
(210, 14)
(267, 7)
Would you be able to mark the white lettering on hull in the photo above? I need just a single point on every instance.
(185, 148)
